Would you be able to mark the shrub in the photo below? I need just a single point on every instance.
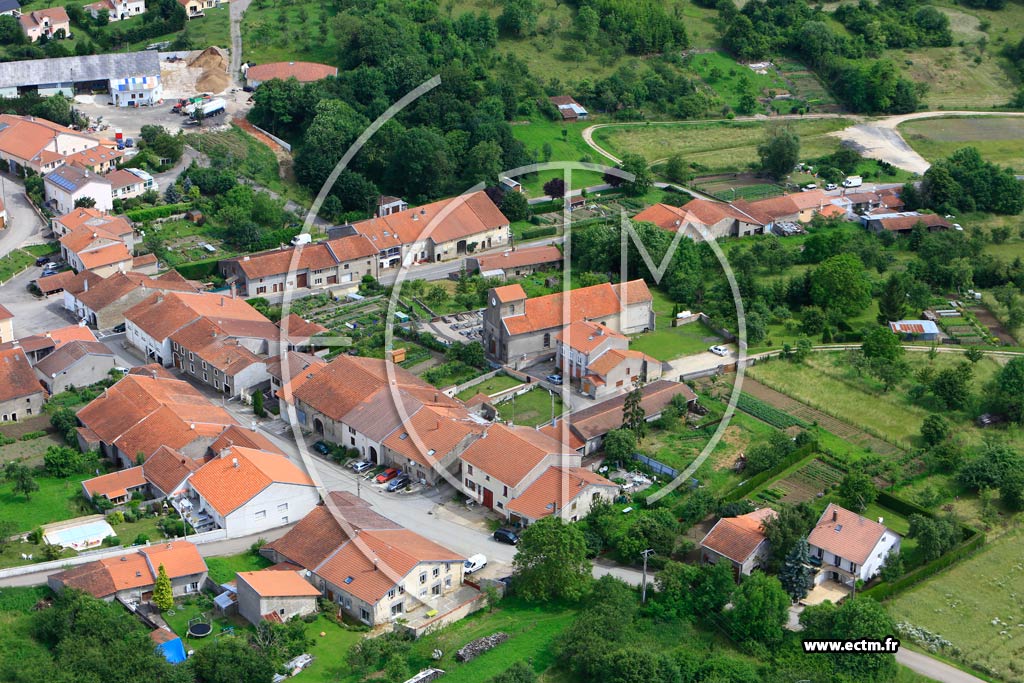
(534, 233)
(152, 213)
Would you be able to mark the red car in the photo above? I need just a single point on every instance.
(387, 475)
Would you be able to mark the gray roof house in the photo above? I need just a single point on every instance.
(61, 73)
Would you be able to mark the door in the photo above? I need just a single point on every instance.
(488, 499)
(302, 280)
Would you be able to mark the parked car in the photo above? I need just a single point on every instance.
(809, 186)
(555, 379)
(42, 260)
(474, 564)
(123, 370)
(387, 475)
(50, 270)
(321, 448)
(506, 536)
(831, 186)
(361, 466)
(120, 328)
(129, 142)
(719, 350)
(398, 483)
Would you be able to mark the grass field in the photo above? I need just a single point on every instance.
(532, 408)
(56, 500)
(717, 146)
(568, 147)
(249, 158)
(1000, 140)
(491, 386)
(212, 29)
(729, 77)
(977, 605)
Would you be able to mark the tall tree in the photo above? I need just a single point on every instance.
(636, 164)
(892, 303)
(857, 491)
(515, 206)
(864, 617)
(760, 610)
(634, 418)
(551, 561)
(840, 285)
(796, 575)
(229, 660)
(779, 152)
(620, 443)
(676, 169)
(25, 483)
(785, 530)
(163, 596)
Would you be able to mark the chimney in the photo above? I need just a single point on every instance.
(234, 462)
(375, 564)
(191, 426)
(835, 515)
(234, 291)
(223, 452)
(881, 520)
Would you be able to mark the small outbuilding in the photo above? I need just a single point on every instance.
(916, 330)
(271, 595)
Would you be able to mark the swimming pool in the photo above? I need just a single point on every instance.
(80, 537)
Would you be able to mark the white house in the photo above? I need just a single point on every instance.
(245, 491)
(130, 182)
(117, 10)
(67, 184)
(849, 547)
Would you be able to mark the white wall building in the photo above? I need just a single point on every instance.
(849, 547)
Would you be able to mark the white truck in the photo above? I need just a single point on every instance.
(213, 107)
(853, 181)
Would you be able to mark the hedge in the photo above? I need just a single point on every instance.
(902, 506)
(152, 213)
(546, 207)
(965, 549)
(538, 232)
(744, 487)
(197, 270)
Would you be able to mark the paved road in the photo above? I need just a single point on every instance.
(23, 224)
(33, 315)
(238, 8)
(933, 668)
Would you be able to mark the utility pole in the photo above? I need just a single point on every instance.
(643, 586)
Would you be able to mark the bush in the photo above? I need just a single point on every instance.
(534, 233)
(152, 213)
(32, 435)
(111, 541)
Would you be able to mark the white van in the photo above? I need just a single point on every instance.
(302, 238)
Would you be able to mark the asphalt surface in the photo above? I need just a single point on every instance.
(24, 226)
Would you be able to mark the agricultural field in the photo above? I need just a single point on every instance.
(768, 413)
(802, 485)
(717, 146)
(999, 140)
(977, 606)
(827, 382)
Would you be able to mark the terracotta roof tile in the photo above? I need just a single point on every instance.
(598, 301)
(463, 217)
(846, 534)
(603, 417)
(561, 484)
(17, 379)
(429, 436)
(278, 584)
(509, 293)
(4, 313)
(738, 537)
(226, 486)
(115, 484)
(585, 336)
(509, 454)
(524, 256)
(609, 360)
(68, 354)
(137, 569)
(166, 469)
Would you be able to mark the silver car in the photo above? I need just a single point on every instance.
(361, 466)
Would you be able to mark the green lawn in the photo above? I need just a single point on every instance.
(532, 408)
(489, 387)
(977, 605)
(249, 157)
(668, 343)
(718, 146)
(999, 140)
(213, 29)
(56, 500)
(566, 143)
(725, 75)
(15, 262)
(223, 569)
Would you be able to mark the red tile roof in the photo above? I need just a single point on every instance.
(17, 379)
(278, 584)
(430, 435)
(166, 469)
(561, 484)
(68, 354)
(115, 484)
(524, 256)
(603, 417)
(509, 454)
(456, 218)
(846, 534)
(133, 570)
(598, 301)
(738, 537)
(585, 336)
(229, 481)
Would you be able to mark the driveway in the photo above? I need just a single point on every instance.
(23, 224)
(33, 315)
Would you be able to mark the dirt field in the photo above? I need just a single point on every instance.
(995, 327)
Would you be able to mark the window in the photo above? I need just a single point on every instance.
(348, 603)
(396, 608)
(447, 582)
(391, 593)
(192, 587)
(501, 505)
(283, 507)
(351, 430)
(364, 615)
(487, 477)
(284, 519)
(190, 356)
(192, 368)
(435, 589)
(205, 378)
(204, 365)
(261, 514)
(261, 290)
(352, 440)
(504, 490)
(437, 572)
(547, 340)
(423, 577)
(447, 566)
(470, 486)
(469, 469)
